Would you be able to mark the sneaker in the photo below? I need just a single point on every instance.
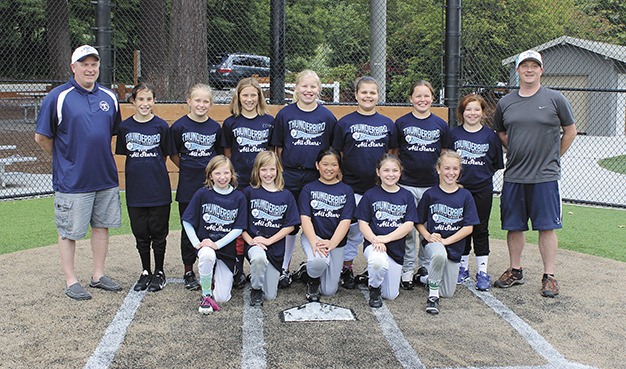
(143, 282)
(421, 272)
(313, 290)
(191, 283)
(432, 305)
(407, 280)
(483, 281)
(463, 275)
(158, 282)
(510, 278)
(106, 284)
(285, 279)
(549, 286)
(77, 292)
(375, 300)
(347, 279)
(208, 305)
(300, 274)
(362, 278)
(239, 280)
(256, 297)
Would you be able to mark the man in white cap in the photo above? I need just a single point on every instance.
(76, 123)
(529, 122)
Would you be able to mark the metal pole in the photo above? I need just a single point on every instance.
(103, 40)
(452, 58)
(378, 44)
(277, 53)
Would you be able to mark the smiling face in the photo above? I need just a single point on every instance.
(268, 174)
(249, 100)
(530, 73)
(86, 72)
(449, 170)
(199, 103)
(422, 99)
(367, 98)
(143, 102)
(389, 174)
(473, 114)
(307, 89)
(329, 169)
(221, 176)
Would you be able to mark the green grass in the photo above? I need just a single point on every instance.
(615, 164)
(29, 223)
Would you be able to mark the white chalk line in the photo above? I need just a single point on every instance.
(253, 354)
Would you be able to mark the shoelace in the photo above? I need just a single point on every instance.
(211, 302)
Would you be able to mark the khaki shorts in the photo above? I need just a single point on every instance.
(74, 212)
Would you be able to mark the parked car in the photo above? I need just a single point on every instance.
(229, 69)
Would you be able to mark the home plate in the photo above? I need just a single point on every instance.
(316, 311)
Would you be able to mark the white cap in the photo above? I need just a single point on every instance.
(84, 51)
(529, 55)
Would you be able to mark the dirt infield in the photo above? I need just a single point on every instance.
(585, 326)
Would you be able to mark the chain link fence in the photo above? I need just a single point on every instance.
(176, 43)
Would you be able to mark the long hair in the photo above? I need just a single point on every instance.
(235, 102)
(465, 100)
(263, 159)
(218, 161)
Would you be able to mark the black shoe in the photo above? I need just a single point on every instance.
(239, 280)
(421, 272)
(313, 290)
(158, 282)
(347, 279)
(375, 300)
(285, 279)
(362, 278)
(432, 305)
(256, 297)
(143, 282)
(300, 274)
(406, 281)
(191, 283)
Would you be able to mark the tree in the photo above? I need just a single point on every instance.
(153, 44)
(58, 38)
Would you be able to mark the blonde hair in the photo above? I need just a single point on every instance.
(383, 159)
(263, 159)
(449, 154)
(235, 103)
(200, 86)
(306, 73)
(218, 161)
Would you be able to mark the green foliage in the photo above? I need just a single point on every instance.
(615, 164)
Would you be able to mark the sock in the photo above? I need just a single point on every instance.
(464, 261)
(424, 279)
(188, 268)
(145, 260)
(205, 282)
(158, 261)
(482, 262)
(433, 289)
(290, 245)
(546, 275)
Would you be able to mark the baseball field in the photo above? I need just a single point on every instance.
(584, 327)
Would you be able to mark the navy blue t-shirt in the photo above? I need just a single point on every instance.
(246, 138)
(197, 143)
(363, 139)
(81, 124)
(446, 213)
(327, 206)
(146, 146)
(302, 135)
(481, 153)
(421, 142)
(268, 213)
(385, 212)
(214, 215)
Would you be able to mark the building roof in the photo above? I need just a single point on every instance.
(612, 51)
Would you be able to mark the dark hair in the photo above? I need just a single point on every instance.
(140, 87)
(329, 151)
(388, 157)
(465, 100)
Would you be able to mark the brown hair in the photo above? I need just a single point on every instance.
(465, 100)
(263, 159)
(388, 157)
(215, 162)
(235, 102)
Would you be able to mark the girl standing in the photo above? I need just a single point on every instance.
(245, 134)
(301, 130)
(422, 136)
(386, 215)
(195, 140)
(326, 210)
(145, 140)
(272, 215)
(215, 217)
(446, 215)
(362, 137)
(481, 153)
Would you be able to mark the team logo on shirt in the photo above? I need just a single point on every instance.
(304, 132)
(445, 217)
(138, 144)
(250, 140)
(265, 213)
(217, 218)
(199, 144)
(367, 135)
(388, 214)
(104, 106)
(471, 152)
(327, 205)
(420, 138)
